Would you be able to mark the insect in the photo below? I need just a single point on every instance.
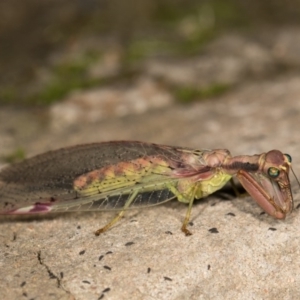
(123, 174)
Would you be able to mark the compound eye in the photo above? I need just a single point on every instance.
(289, 158)
(273, 172)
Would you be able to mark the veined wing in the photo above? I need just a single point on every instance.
(149, 194)
(96, 176)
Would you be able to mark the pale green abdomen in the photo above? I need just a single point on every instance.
(207, 187)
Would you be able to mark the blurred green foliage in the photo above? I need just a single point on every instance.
(189, 94)
(37, 30)
(16, 156)
(66, 77)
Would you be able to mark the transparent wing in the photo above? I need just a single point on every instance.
(148, 195)
(98, 176)
(116, 199)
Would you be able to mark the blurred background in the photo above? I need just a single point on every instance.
(50, 48)
(71, 62)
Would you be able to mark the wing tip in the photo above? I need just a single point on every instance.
(32, 209)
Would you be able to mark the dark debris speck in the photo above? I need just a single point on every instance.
(272, 229)
(213, 230)
(167, 278)
(86, 281)
(106, 290)
(129, 244)
(231, 214)
(23, 283)
(81, 252)
(107, 268)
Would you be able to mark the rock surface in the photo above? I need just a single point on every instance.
(248, 255)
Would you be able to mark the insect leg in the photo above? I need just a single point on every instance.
(187, 218)
(234, 187)
(118, 216)
(236, 191)
(189, 198)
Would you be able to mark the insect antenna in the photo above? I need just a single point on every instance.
(295, 177)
